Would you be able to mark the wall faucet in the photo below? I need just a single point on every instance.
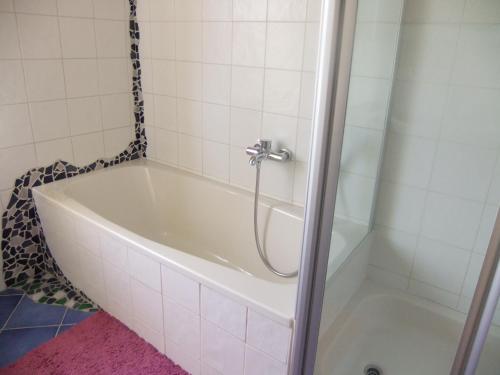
(262, 151)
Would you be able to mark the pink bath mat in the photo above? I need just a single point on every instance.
(98, 345)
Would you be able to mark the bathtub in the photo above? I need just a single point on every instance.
(172, 256)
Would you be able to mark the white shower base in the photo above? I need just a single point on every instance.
(399, 333)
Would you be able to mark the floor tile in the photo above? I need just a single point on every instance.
(75, 316)
(7, 305)
(30, 314)
(65, 328)
(11, 292)
(14, 343)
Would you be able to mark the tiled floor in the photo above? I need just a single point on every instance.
(25, 324)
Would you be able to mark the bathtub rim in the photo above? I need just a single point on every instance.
(248, 290)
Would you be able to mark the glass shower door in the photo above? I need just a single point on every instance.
(396, 300)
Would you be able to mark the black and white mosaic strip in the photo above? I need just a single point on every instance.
(27, 260)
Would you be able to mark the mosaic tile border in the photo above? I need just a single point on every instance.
(27, 260)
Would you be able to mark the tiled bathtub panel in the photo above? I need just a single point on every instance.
(90, 276)
(258, 363)
(155, 338)
(147, 306)
(114, 250)
(182, 357)
(224, 312)
(87, 235)
(181, 289)
(117, 284)
(220, 350)
(268, 336)
(182, 328)
(144, 269)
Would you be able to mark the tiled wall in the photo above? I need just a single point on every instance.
(377, 31)
(441, 173)
(65, 87)
(218, 74)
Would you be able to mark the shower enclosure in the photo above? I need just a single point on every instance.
(405, 153)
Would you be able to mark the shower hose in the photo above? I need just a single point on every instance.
(262, 253)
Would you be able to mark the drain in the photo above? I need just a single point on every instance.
(372, 370)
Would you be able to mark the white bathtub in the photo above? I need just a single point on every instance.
(172, 255)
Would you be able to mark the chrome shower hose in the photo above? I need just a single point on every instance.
(262, 253)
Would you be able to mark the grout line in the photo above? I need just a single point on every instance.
(12, 313)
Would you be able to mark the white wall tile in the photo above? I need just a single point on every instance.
(285, 43)
(393, 250)
(249, 10)
(39, 36)
(44, 79)
(249, 43)
(147, 306)
(282, 130)
(189, 117)
(432, 293)
(75, 8)
(110, 9)
(462, 171)
(478, 49)
(112, 39)
(486, 228)
(408, 160)
(220, 350)
(9, 37)
(217, 10)
(117, 140)
(268, 336)
(367, 102)
(11, 75)
(181, 289)
(49, 120)
(216, 160)
(190, 153)
(216, 122)
(440, 265)
(84, 115)
(246, 89)
(361, 151)
(354, 196)
(77, 37)
(432, 11)
(114, 76)
(417, 108)
(472, 276)
(257, 363)
(188, 41)
(287, 10)
(144, 269)
(189, 80)
(162, 10)
(88, 148)
(400, 207)
(167, 144)
(164, 77)
(467, 106)
(224, 312)
(15, 161)
(216, 83)
(115, 110)
(282, 92)
(165, 112)
(182, 327)
(217, 42)
(81, 77)
(188, 10)
(482, 11)
(15, 126)
(427, 52)
(162, 40)
(245, 126)
(47, 7)
(49, 151)
(374, 50)
(451, 220)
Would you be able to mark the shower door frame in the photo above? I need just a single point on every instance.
(338, 21)
(336, 40)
